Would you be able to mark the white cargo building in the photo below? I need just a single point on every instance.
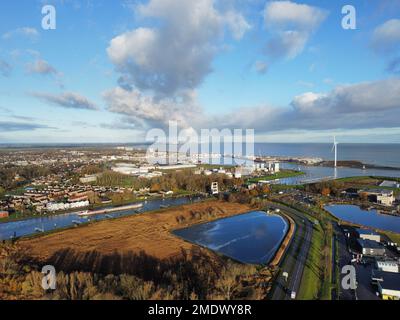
(388, 266)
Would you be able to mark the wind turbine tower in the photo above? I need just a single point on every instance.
(335, 144)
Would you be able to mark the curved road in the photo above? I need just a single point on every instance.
(295, 257)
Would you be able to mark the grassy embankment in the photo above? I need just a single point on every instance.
(368, 182)
(316, 280)
(317, 276)
(395, 237)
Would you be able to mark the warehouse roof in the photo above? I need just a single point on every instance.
(369, 244)
(388, 280)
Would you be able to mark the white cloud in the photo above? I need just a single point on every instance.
(287, 14)
(177, 55)
(357, 106)
(162, 66)
(29, 32)
(237, 24)
(146, 111)
(291, 25)
(386, 37)
(41, 67)
(69, 100)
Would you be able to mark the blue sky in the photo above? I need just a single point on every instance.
(114, 69)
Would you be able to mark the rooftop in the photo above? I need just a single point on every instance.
(390, 184)
(388, 280)
(369, 244)
(379, 191)
(367, 232)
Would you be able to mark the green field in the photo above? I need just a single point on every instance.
(395, 237)
(316, 280)
(280, 175)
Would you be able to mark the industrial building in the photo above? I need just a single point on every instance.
(366, 234)
(270, 167)
(388, 266)
(388, 284)
(371, 248)
(379, 196)
(390, 184)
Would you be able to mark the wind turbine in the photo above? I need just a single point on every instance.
(334, 148)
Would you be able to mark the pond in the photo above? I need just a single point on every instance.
(368, 218)
(252, 237)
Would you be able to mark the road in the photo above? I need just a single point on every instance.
(344, 259)
(296, 256)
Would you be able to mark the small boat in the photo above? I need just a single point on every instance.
(109, 216)
(82, 213)
(110, 210)
(76, 222)
(39, 230)
(164, 206)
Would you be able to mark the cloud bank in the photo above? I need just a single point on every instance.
(7, 126)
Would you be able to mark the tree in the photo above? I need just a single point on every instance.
(155, 187)
(364, 196)
(326, 191)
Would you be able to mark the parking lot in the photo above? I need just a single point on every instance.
(365, 289)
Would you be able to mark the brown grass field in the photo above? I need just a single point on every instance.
(120, 239)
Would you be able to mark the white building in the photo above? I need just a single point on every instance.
(270, 167)
(380, 196)
(388, 266)
(131, 169)
(214, 188)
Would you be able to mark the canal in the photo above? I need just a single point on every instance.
(54, 222)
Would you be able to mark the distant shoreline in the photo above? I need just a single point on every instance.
(355, 164)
